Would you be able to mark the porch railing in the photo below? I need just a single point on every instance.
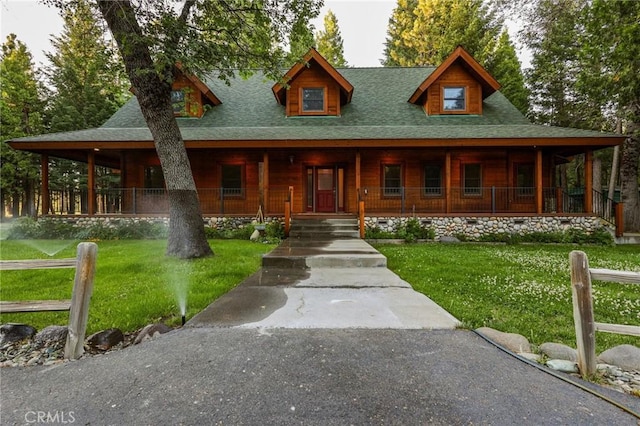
(213, 201)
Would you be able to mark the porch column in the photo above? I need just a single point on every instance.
(538, 173)
(44, 176)
(588, 181)
(91, 193)
(265, 182)
(447, 181)
(358, 178)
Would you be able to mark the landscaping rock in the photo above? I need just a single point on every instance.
(10, 333)
(563, 365)
(54, 335)
(624, 356)
(514, 342)
(530, 356)
(151, 331)
(106, 339)
(448, 239)
(559, 351)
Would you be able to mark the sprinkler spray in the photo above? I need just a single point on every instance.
(184, 319)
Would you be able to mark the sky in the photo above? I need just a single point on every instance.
(362, 23)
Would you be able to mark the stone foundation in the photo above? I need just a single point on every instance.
(474, 227)
(219, 223)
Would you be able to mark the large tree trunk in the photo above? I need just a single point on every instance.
(186, 229)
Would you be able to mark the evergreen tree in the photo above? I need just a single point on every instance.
(396, 50)
(86, 74)
(89, 85)
(608, 77)
(437, 27)
(505, 67)
(329, 41)
(21, 115)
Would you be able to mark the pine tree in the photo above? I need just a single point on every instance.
(86, 74)
(608, 77)
(396, 50)
(434, 28)
(89, 85)
(329, 41)
(505, 67)
(21, 115)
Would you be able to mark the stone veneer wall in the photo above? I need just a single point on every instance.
(476, 226)
(221, 223)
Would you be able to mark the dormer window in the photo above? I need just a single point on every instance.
(313, 100)
(454, 99)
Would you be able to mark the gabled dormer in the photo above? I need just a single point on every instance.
(313, 87)
(457, 86)
(189, 94)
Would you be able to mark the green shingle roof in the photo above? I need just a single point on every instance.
(378, 110)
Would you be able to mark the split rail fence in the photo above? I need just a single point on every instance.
(78, 305)
(586, 326)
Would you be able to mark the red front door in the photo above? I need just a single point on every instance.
(325, 190)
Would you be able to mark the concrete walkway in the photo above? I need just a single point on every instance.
(308, 346)
(325, 284)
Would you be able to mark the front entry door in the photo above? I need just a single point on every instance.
(325, 190)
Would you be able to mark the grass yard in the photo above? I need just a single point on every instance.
(523, 289)
(135, 284)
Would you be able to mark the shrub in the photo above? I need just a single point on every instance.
(375, 233)
(274, 231)
(413, 230)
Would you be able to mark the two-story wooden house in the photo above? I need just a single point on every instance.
(427, 142)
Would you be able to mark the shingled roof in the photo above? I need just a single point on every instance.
(378, 111)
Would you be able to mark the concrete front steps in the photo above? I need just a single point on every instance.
(324, 228)
(304, 254)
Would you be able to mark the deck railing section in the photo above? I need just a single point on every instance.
(137, 201)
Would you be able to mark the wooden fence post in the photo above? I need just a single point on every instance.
(361, 217)
(619, 219)
(583, 312)
(287, 217)
(82, 289)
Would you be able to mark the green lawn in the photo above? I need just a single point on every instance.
(135, 284)
(521, 289)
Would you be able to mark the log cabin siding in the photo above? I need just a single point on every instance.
(314, 77)
(455, 75)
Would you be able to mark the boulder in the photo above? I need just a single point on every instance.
(10, 333)
(106, 339)
(559, 351)
(514, 342)
(448, 239)
(563, 365)
(531, 357)
(623, 356)
(151, 331)
(54, 335)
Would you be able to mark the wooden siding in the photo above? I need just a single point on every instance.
(497, 169)
(314, 77)
(455, 75)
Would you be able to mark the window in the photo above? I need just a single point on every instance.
(178, 101)
(472, 179)
(313, 100)
(454, 99)
(525, 180)
(232, 180)
(432, 179)
(392, 180)
(153, 177)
